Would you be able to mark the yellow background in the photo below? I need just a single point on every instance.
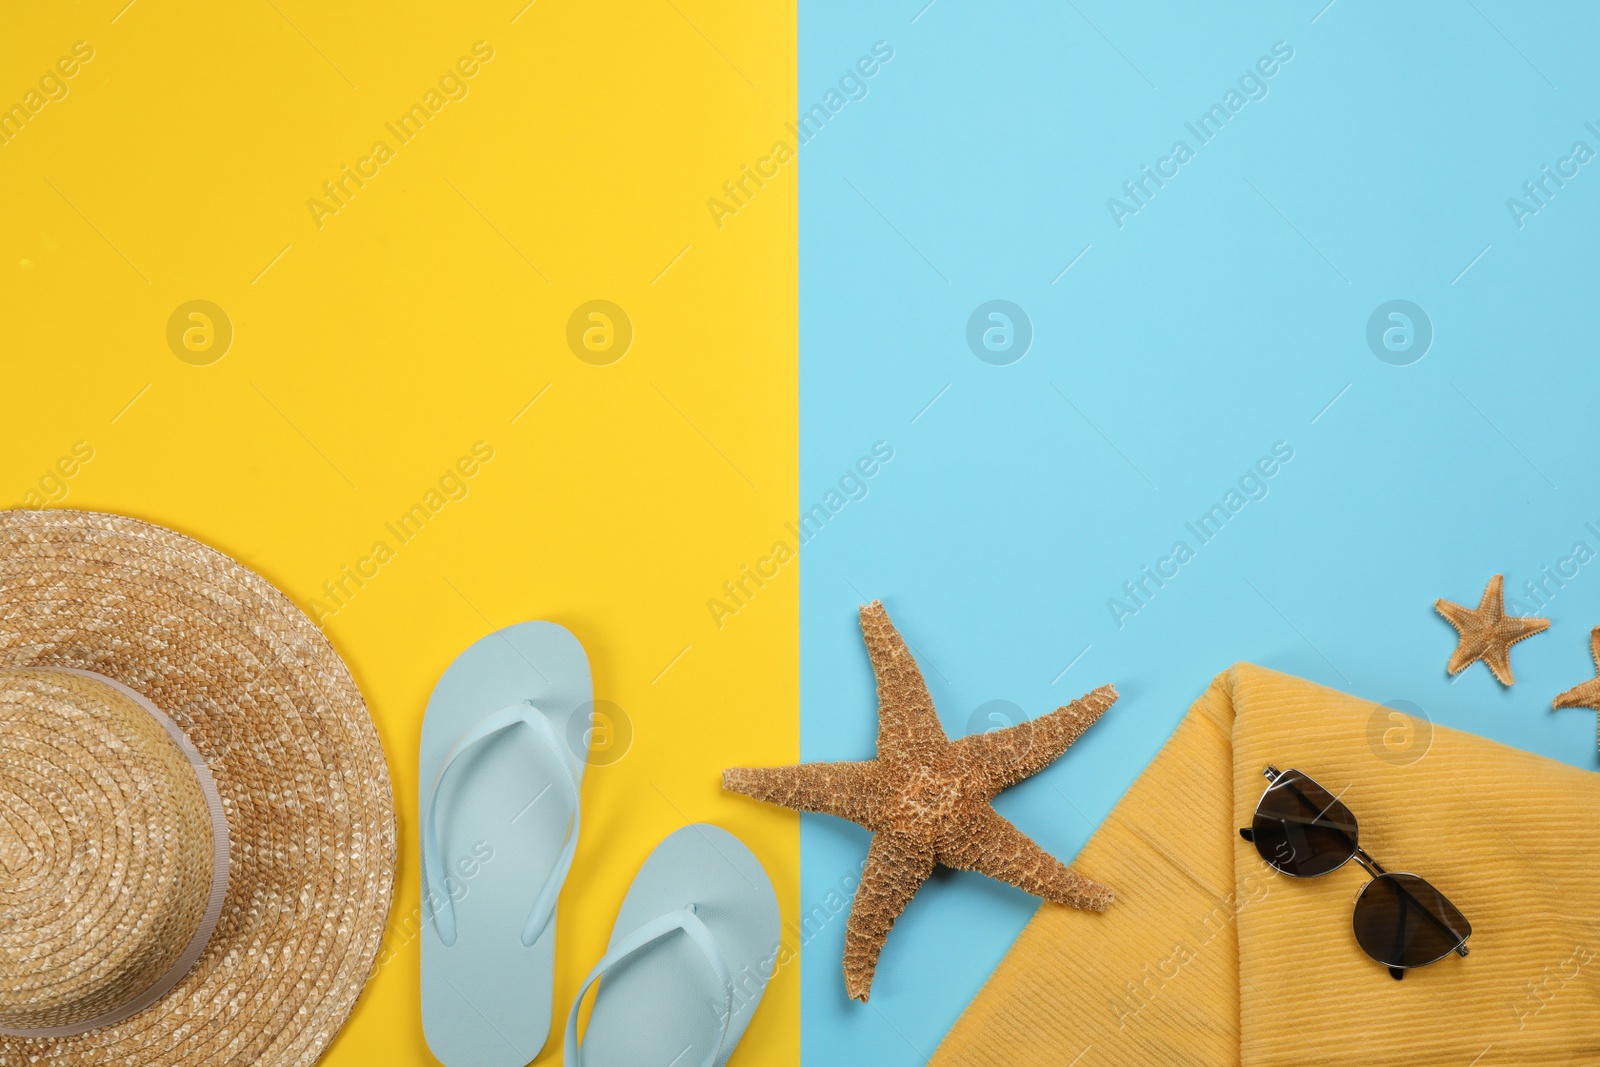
(425, 315)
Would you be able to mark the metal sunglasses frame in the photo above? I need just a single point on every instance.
(1373, 868)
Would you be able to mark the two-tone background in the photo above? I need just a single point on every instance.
(1069, 280)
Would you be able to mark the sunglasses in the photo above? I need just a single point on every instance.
(1400, 920)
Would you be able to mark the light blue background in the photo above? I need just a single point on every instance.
(1224, 317)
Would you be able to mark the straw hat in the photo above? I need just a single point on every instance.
(197, 835)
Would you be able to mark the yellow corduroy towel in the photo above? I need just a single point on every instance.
(1209, 956)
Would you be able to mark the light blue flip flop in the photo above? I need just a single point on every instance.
(504, 743)
(695, 944)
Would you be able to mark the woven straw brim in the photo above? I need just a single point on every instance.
(262, 695)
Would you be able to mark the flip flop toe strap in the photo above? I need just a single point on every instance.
(685, 920)
(433, 868)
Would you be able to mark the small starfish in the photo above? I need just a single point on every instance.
(926, 799)
(1488, 633)
(1585, 694)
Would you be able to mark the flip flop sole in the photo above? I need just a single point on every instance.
(663, 1004)
(502, 817)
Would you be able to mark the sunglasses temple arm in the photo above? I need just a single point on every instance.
(1318, 821)
(1461, 948)
(1400, 927)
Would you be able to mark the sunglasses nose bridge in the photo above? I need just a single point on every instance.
(1373, 868)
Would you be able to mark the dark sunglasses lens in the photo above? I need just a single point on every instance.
(1301, 829)
(1402, 921)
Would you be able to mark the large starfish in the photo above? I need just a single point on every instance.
(926, 799)
(1585, 694)
(1488, 633)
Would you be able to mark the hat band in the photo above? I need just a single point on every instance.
(219, 875)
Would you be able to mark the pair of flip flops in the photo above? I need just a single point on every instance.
(504, 744)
